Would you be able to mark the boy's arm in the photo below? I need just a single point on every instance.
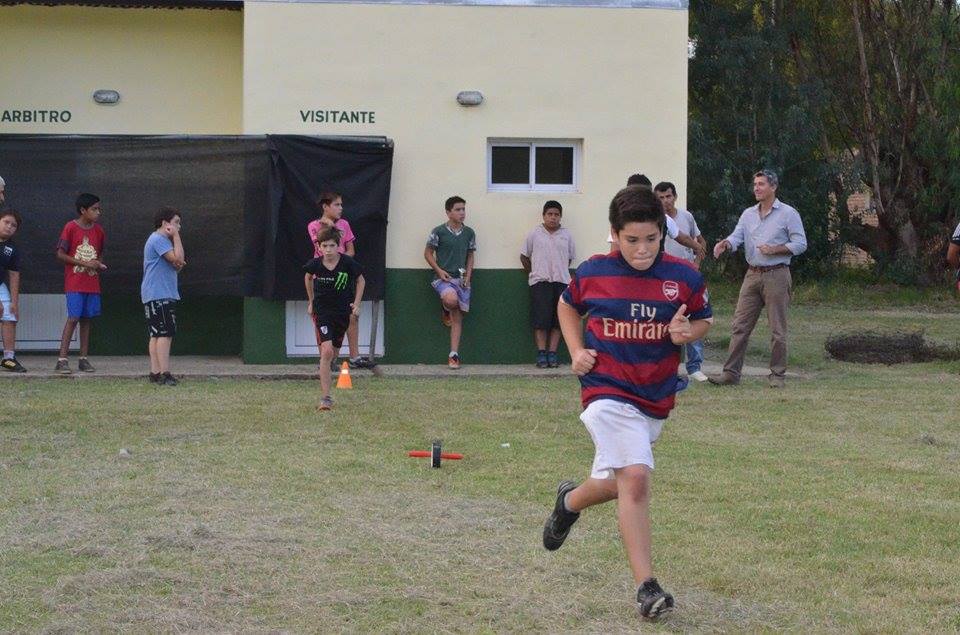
(350, 250)
(70, 260)
(582, 359)
(308, 283)
(469, 271)
(358, 296)
(430, 255)
(525, 263)
(953, 255)
(690, 243)
(175, 255)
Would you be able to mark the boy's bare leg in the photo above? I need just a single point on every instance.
(84, 337)
(633, 513)
(67, 335)
(353, 337)
(452, 304)
(540, 337)
(456, 328)
(326, 356)
(554, 339)
(9, 331)
(592, 491)
(154, 362)
(163, 345)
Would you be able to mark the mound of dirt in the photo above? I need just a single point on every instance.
(887, 348)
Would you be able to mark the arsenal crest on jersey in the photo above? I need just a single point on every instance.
(671, 290)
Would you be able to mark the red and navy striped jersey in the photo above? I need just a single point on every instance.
(628, 312)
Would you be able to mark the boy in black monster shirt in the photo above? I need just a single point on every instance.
(334, 285)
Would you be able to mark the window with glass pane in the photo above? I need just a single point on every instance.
(554, 166)
(510, 164)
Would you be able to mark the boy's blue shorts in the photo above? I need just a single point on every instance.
(83, 305)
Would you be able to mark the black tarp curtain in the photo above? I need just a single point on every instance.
(246, 202)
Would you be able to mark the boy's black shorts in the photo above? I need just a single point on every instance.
(543, 304)
(161, 317)
(332, 327)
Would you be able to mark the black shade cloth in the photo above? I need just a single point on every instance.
(245, 202)
(303, 168)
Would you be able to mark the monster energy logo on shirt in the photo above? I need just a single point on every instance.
(340, 282)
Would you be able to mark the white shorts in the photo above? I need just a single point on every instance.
(5, 300)
(622, 436)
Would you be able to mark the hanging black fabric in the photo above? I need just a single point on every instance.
(245, 203)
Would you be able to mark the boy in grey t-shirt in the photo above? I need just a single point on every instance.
(686, 223)
(162, 260)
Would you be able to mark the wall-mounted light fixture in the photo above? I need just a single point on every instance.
(104, 96)
(469, 98)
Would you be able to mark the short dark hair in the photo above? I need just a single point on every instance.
(639, 179)
(86, 200)
(10, 212)
(453, 200)
(663, 186)
(553, 205)
(328, 233)
(326, 198)
(165, 214)
(636, 204)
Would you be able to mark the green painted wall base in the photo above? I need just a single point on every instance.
(208, 325)
(496, 331)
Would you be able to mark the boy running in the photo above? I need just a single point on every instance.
(80, 249)
(331, 215)
(449, 252)
(636, 301)
(9, 288)
(334, 283)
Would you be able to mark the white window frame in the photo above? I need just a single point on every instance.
(531, 185)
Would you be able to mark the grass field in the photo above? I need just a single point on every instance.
(833, 505)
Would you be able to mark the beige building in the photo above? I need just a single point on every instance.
(557, 100)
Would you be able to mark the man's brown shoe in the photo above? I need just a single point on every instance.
(723, 379)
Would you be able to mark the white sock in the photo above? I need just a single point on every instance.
(8, 355)
(566, 504)
(452, 353)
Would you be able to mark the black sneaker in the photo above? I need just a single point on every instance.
(83, 365)
(11, 364)
(155, 378)
(166, 379)
(360, 362)
(62, 367)
(558, 525)
(552, 361)
(541, 359)
(652, 600)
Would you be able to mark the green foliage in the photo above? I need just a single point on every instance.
(778, 84)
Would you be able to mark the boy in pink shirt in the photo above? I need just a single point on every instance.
(331, 215)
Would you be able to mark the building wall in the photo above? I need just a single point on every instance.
(178, 72)
(614, 78)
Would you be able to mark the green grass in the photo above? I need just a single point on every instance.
(832, 505)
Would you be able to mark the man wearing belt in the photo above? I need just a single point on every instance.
(771, 233)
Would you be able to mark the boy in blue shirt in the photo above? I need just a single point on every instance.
(162, 260)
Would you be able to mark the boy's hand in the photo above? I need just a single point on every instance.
(326, 221)
(465, 282)
(95, 265)
(355, 309)
(443, 275)
(583, 361)
(309, 308)
(680, 326)
(14, 310)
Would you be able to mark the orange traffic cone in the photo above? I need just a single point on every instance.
(344, 381)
